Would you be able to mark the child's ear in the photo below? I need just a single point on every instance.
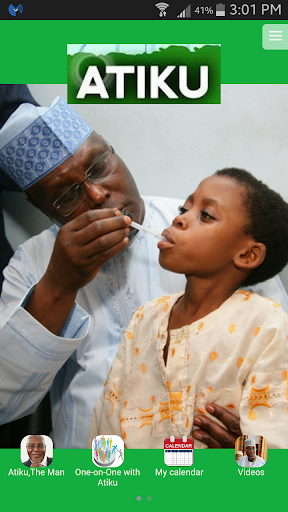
(253, 255)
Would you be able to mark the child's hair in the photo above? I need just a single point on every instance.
(268, 223)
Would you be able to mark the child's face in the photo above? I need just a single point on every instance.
(204, 238)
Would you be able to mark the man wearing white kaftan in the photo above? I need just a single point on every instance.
(31, 356)
(256, 463)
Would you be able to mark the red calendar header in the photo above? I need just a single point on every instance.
(178, 444)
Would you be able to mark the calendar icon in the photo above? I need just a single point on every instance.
(179, 451)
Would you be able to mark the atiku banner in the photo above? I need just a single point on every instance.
(144, 73)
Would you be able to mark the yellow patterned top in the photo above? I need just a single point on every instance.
(237, 356)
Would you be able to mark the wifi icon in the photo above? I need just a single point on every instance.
(13, 10)
(162, 8)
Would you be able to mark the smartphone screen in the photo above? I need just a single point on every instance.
(175, 113)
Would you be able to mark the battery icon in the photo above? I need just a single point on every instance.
(220, 9)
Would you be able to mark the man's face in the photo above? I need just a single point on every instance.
(250, 450)
(36, 448)
(117, 191)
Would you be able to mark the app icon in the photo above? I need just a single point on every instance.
(36, 451)
(13, 10)
(251, 451)
(108, 451)
(179, 451)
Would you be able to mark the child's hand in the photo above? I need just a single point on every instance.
(214, 435)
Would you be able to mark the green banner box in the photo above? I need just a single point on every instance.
(169, 75)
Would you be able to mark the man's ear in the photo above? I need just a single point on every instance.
(39, 208)
(253, 255)
(31, 202)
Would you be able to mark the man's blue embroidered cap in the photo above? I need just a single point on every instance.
(35, 140)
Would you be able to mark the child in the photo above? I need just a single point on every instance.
(214, 342)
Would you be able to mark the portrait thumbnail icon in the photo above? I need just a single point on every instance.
(36, 451)
(108, 451)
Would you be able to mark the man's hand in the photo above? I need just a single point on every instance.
(84, 245)
(35, 464)
(81, 248)
(214, 435)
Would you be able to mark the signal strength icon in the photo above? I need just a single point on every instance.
(186, 13)
(162, 8)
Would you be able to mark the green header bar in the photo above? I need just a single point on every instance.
(36, 51)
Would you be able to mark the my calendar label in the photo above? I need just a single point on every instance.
(178, 451)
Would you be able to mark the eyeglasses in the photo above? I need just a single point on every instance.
(32, 446)
(101, 169)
